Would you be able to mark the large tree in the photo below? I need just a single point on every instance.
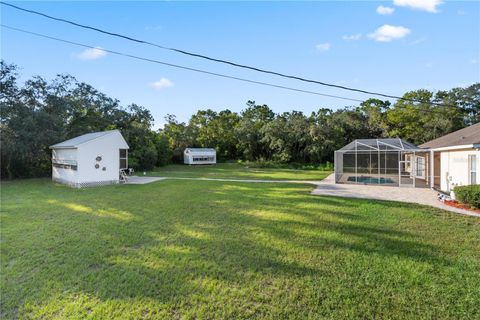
(249, 131)
(429, 117)
(40, 113)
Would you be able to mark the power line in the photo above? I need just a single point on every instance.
(219, 60)
(179, 66)
(194, 69)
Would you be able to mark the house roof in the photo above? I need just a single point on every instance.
(466, 136)
(75, 142)
(385, 144)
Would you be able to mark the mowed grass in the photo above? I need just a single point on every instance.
(180, 249)
(237, 171)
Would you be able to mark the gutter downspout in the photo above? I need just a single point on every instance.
(432, 179)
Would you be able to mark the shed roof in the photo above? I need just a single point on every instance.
(200, 150)
(465, 136)
(384, 144)
(75, 142)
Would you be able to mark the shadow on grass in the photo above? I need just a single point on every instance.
(152, 242)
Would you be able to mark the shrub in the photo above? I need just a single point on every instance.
(272, 164)
(469, 195)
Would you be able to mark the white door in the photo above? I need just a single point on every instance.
(420, 167)
(405, 178)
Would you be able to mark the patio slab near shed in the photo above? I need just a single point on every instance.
(328, 187)
(142, 180)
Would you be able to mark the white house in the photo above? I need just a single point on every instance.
(91, 159)
(455, 158)
(199, 156)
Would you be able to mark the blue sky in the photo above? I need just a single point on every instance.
(390, 46)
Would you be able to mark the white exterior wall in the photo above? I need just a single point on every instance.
(187, 159)
(108, 148)
(454, 164)
(61, 174)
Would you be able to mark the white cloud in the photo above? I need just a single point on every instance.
(352, 37)
(323, 46)
(161, 84)
(92, 54)
(425, 5)
(385, 10)
(474, 61)
(387, 33)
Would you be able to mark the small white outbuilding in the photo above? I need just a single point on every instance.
(199, 156)
(91, 159)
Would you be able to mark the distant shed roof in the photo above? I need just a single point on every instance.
(465, 136)
(384, 144)
(200, 150)
(75, 142)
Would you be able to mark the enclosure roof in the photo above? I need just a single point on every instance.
(200, 150)
(75, 142)
(384, 144)
(465, 136)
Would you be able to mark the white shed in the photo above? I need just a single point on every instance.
(91, 159)
(199, 156)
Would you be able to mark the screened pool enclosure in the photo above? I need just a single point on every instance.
(388, 162)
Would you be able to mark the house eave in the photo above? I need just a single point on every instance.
(459, 147)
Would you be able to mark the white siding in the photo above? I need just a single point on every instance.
(106, 147)
(64, 156)
(454, 169)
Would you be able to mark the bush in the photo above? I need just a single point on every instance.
(143, 157)
(469, 195)
(271, 164)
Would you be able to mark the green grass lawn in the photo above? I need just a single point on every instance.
(236, 171)
(180, 249)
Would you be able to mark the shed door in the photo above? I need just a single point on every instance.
(123, 158)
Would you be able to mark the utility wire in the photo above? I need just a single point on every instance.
(220, 60)
(196, 70)
(179, 66)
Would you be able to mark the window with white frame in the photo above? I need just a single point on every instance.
(123, 158)
(472, 169)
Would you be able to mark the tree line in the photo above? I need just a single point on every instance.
(40, 113)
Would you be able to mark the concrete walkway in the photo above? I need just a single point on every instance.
(327, 187)
(142, 180)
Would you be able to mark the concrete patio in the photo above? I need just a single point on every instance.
(424, 196)
(142, 180)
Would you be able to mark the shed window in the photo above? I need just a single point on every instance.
(123, 158)
(65, 166)
(64, 163)
(204, 158)
(472, 168)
